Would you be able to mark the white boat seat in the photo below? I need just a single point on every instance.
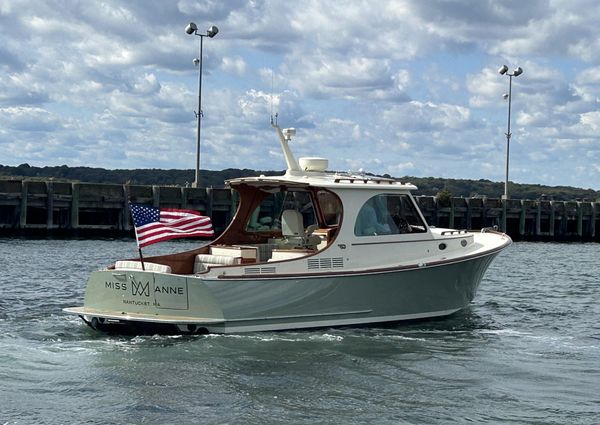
(137, 265)
(203, 261)
(292, 223)
(294, 235)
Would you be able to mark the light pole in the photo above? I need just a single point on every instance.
(515, 73)
(210, 33)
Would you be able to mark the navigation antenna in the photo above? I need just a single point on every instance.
(285, 136)
(271, 93)
(273, 122)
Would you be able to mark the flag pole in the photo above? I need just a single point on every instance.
(141, 257)
(137, 241)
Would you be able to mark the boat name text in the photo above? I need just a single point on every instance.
(143, 288)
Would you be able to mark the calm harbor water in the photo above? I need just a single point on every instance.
(526, 352)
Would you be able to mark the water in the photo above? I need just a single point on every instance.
(526, 352)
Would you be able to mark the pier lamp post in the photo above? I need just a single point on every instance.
(515, 73)
(192, 29)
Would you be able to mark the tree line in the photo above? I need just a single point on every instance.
(429, 186)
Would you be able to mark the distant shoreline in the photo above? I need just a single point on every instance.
(427, 186)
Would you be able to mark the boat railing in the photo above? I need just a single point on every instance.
(454, 232)
(493, 229)
(338, 178)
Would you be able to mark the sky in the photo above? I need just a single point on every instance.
(402, 87)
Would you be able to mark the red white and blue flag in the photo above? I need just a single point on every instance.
(156, 225)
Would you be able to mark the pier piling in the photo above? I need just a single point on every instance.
(51, 206)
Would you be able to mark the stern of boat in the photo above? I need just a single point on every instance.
(147, 301)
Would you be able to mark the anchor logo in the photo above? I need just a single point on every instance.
(139, 288)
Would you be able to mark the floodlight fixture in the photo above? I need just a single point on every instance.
(191, 28)
(501, 71)
(212, 31)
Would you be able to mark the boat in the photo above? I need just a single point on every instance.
(307, 249)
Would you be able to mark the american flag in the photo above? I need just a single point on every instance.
(155, 225)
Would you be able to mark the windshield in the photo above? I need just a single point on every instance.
(267, 216)
(388, 215)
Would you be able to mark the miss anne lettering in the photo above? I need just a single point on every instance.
(158, 289)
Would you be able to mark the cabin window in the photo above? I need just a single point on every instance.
(388, 215)
(331, 207)
(267, 216)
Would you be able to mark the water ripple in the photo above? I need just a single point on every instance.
(527, 351)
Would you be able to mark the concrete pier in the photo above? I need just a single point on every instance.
(521, 219)
(63, 207)
(33, 206)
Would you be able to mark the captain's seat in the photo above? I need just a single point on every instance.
(292, 229)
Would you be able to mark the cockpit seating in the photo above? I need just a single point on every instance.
(294, 235)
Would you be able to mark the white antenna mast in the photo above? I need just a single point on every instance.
(285, 136)
(271, 95)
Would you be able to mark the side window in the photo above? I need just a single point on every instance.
(388, 215)
(373, 218)
(331, 207)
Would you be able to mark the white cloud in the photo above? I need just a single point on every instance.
(428, 116)
(400, 169)
(485, 87)
(591, 122)
(403, 87)
(235, 65)
(29, 119)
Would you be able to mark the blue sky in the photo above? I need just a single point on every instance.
(400, 87)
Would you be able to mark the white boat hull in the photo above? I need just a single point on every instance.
(156, 301)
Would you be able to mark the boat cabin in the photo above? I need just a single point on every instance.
(285, 218)
(344, 218)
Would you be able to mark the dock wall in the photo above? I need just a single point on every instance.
(28, 206)
(63, 207)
